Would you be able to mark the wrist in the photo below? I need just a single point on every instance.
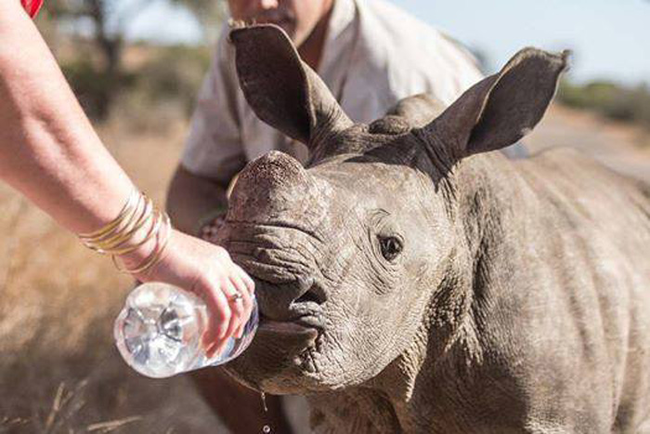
(135, 257)
(136, 238)
(134, 261)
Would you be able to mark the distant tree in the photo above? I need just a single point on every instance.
(105, 23)
(208, 13)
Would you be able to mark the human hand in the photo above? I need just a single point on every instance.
(208, 271)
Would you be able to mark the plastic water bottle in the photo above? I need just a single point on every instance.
(159, 332)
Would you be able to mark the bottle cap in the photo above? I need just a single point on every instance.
(32, 6)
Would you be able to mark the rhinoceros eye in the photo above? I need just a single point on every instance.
(391, 247)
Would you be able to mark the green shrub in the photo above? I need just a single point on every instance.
(169, 76)
(174, 74)
(629, 104)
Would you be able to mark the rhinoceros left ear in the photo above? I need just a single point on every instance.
(283, 91)
(501, 109)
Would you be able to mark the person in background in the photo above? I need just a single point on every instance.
(51, 154)
(370, 54)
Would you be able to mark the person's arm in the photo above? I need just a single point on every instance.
(47, 144)
(191, 198)
(50, 153)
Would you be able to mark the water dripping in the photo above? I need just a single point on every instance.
(263, 395)
(265, 429)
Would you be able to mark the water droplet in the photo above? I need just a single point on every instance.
(266, 409)
(266, 429)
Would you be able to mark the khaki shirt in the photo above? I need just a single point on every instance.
(374, 55)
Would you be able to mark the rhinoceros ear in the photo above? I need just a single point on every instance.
(282, 90)
(501, 109)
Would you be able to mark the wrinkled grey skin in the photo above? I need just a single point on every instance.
(441, 287)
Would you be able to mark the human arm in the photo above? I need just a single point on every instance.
(50, 153)
(191, 198)
(47, 144)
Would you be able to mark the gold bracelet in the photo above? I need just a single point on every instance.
(133, 224)
(156, 254)
(126, 210)
(138, 212)
(106, 235)
(155, 226)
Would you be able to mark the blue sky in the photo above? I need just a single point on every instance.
(610, 38)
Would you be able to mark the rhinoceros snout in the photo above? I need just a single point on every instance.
(267, 219)
(268, 185)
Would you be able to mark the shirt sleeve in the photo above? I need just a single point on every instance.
(32, 6)
(448, 70)
(214, 146)
(466, 67)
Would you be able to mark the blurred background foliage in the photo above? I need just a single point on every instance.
(108, 72)
(609, 99)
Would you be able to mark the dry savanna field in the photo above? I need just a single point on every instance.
(59, 371)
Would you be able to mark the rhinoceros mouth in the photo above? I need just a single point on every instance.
(300, 315)
(301, 326)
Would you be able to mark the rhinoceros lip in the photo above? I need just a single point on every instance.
(307, 324)
(287, 327)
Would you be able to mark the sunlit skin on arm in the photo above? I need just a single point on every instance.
(51, 154)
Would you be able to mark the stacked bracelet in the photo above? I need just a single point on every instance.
(117, 237)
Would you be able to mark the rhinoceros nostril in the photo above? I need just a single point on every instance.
(308, 296)
(310, 291)
(289, 300)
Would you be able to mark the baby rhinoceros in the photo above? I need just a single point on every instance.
(411, 280)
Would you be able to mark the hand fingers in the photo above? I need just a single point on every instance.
(248, 281)
(220, 316)
(246, 287)
(247, 301)
(239, 282)
(230, 302)
(216, 348)
(235, 300)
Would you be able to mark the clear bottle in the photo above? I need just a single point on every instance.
(158, 332)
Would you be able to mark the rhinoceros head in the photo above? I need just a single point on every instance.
(355, 252)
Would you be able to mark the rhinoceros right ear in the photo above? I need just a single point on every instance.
(282, 90)
(501, 109)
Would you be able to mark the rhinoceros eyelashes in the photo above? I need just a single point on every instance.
(390, 247)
